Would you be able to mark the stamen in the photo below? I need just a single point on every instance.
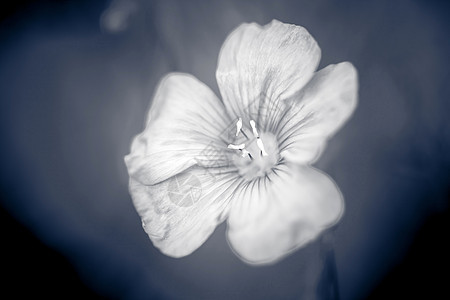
(245, 152)
(258, 139)
(261, 146)
(238, 126)
(255, 132)
(236, 147)
(243, 132)
(240, 147)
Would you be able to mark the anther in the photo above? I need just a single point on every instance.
(238, 126)
(245, 152)
(261, 147)
(255, 132)
(236, 147)
(258, 139)
(240, 147)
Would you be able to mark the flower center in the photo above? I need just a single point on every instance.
(254, 153)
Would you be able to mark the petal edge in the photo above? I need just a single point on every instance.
(275, 60)
(299, 204)
(184, 122)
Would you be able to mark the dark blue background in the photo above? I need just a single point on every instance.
(74, 91)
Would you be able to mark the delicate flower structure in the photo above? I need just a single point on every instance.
(200, 160)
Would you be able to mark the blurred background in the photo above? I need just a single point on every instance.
(76, 79)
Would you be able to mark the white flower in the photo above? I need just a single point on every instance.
(200, 160)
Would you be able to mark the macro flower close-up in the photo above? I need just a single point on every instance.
(172, 149)
(245, 157)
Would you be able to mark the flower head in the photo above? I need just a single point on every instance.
(200, 160)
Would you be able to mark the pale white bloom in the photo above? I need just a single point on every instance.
(245, 159)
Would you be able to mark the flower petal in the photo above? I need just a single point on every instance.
(273, 61)
(278, 214)
(326, 102)
(179, 214)
(184, 128)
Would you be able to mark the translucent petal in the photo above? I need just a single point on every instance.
(274, 216)
(324, 105)
(272, 61)
(184, 128)
(180, 213)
